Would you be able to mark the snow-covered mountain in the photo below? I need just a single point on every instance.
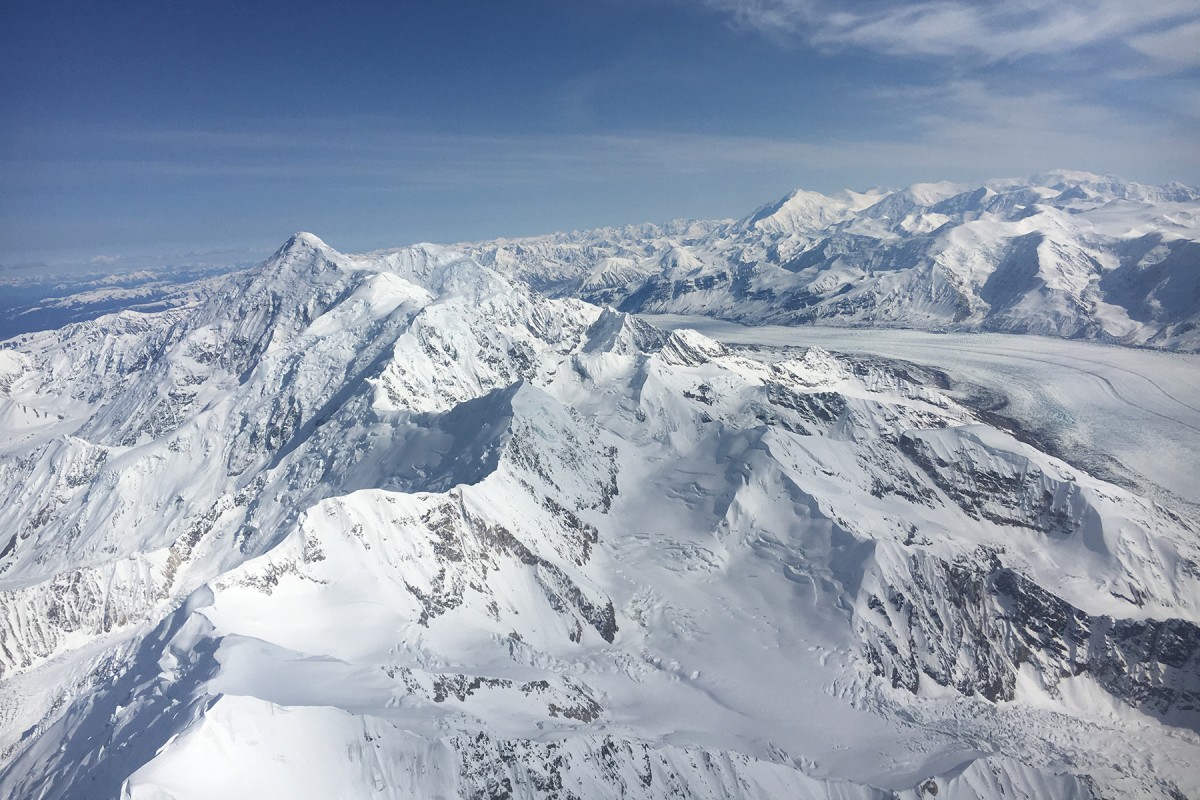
(396, 525)
(1062, 254)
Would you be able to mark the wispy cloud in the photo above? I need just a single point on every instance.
(968, 120)
(1164, 32)
(1176, 47)
(964, 127)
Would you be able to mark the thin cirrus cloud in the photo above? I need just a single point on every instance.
(959, 127)
(1166, 33)
(1177, 47)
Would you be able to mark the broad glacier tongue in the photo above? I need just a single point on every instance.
(395, 525)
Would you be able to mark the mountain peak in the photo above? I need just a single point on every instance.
(1070, 177)
(305, 252)
(927, 194)
(622, 334)
(801, 209)
(303, 240)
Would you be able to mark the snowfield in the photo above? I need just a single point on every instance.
(400, 525)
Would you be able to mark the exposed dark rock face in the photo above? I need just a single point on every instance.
(1006, 491)
(973, 624)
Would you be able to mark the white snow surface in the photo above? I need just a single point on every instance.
(395, 525)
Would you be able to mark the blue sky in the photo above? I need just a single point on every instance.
(192, 132)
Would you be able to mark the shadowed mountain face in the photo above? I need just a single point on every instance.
(397, 525)
(1063, 254)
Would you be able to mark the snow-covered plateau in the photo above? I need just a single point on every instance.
(418, 524)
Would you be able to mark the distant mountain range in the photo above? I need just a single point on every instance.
(1067, 254)
(1062, 254)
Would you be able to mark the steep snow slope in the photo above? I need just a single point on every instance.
(395, 526)
(1062, 254)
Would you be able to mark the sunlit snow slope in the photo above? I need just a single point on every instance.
(396, 526)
